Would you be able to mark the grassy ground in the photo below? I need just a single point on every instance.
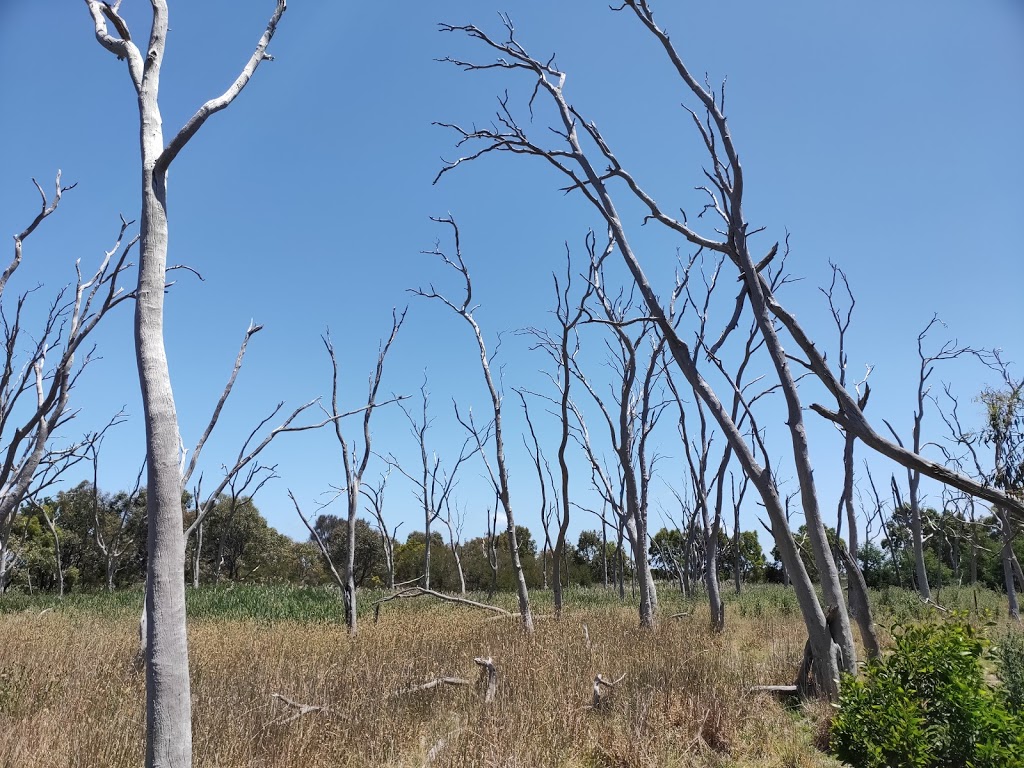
(71, 694)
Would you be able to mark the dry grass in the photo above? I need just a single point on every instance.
(70, 695)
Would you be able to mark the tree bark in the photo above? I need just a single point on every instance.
(168, 700)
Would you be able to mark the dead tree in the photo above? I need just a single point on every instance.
(737, 503)
(842, 318)
(355, 458)
(638, 368)
(241, 489)
(498, 473)
(168, 704)
(375, 495)
(453, 519)
(435, 483)
(42, 365)
(697, 449)
(537, 457)
(860, 607)
(1003, 434)
(949, 350)
(112, 541)
(563, 348)
(579, 154)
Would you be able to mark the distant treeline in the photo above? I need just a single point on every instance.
(85, 541)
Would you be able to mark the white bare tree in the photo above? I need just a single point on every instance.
(168, 701)
(355, 458)
(498, 470)
(41, 367)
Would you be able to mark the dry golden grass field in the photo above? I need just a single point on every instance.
(71, 694)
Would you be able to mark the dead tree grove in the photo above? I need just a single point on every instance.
(577, 150)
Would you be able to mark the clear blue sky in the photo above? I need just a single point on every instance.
(882, 136)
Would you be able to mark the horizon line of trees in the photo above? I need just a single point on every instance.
(82, 539)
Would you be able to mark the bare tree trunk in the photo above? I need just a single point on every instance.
(860, 607)
(498, 475)
(168, 700)
(56, 551)
(1008, 578)
(711, 579)
(375, 494)
(604, 553)
(737, 556)
(458, 566)
(198, 556)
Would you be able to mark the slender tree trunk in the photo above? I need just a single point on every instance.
(640, 571)
(458, 566)
(198, 556)
(57, 553)
(349, 591)
(711, 581)
(851, 514)
(1011, 590)
(604, 553)
(859, 604)
(737, 555)
(920, 572)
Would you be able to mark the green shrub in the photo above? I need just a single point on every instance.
(1009, 655)
(926, 704)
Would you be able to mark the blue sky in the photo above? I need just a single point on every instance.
(882, 136)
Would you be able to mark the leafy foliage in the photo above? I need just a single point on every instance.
(927, 704)
(1009, 656)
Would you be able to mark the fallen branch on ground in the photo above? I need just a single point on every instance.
(600, 683)
(301, 709)
(411, 592)
(436, 682)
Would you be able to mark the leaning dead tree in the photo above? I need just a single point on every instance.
(498, 471)
(581, 150)
(41, 367)
(168, 703)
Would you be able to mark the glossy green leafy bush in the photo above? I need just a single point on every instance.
(926, 704)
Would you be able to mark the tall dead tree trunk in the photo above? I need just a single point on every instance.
(375, 495)
(948, 351)
(168, 702)
(563, 349)
(354, 458)
(434, 483)
(499, 473)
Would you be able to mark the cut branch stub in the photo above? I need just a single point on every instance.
(488, 678)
